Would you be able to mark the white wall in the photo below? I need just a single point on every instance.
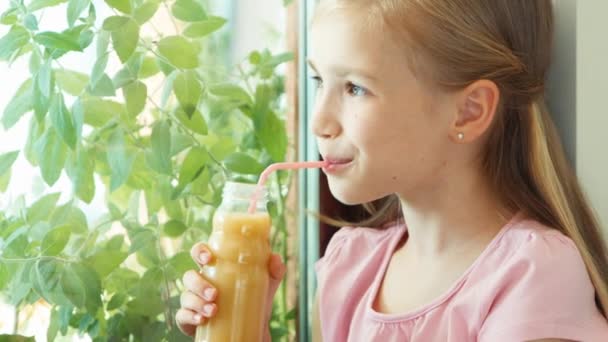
(577, 93)
(591, 109)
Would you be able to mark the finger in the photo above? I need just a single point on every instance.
(277, 271)
(188, 320)
(195, 303)
(201, 254)
(277, 267)
(197, 284)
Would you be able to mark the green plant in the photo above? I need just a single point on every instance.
(159, 161)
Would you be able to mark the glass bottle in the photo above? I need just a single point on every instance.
(241, 250)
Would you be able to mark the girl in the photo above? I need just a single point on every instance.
(433, 112)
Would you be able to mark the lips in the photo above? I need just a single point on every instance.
(336, 164)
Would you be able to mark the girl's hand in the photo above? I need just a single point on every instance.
(198, 300)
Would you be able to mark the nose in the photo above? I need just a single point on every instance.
(325, 123)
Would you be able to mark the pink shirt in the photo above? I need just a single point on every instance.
(529, 283)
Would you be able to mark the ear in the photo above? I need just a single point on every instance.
(477, 105)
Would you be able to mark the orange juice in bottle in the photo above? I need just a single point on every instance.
(240, 246)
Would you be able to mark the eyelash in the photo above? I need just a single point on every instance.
(350, 86)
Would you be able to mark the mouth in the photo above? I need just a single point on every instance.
(335, 164)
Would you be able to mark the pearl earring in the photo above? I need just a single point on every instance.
(460, 136)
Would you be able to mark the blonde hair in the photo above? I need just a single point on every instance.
(508, 42)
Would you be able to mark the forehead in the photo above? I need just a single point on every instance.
(345, 36)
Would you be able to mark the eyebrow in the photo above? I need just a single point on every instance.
(343, 71)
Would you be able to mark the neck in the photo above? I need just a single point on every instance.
(452, 217)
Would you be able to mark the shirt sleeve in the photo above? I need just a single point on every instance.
(545, 292)
(332, 251)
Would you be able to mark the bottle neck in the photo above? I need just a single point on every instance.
(237, 198)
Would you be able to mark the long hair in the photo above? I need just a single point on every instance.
(453, 43)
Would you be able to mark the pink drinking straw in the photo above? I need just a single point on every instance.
(281, 166)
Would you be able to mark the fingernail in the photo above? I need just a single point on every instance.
(209, 293)
(208, 310)
(197, 317)
(204, 257)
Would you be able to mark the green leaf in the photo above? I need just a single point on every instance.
(135, 94)
(103, 41)
(103, 87)
(174, 228)
(146, 11)
(58, 41)
(196, 122)
(46, 278)
(41, 102)
(44, 79)
(116, 302)
(148, 68)
(125, 40)
(140, 238)
(167, 88)
(72, 82)
(20, 104)
(179, 264)
(55, 241)
(34, 62)
(78, 117)
(30, 22)
(75, 8)
(39, 4)
(125, 6)
(106, 261)
(93, 287)
(192, 167)
(188, 10)
(115, 22)
(54, 324)
(81, 286)
(4, 276)
(42, 208)
(120, 164)
(159, 157)
(14, 40)
(243, 163)
(271, 133)
(9, 17)
(73, 287)
(205, 27)
(5, 179)
(51, 154)
(68, 214)
(86, 38)
(35, 131)
(97, 112)
(99, 69)
(7, 160)
(179, 51)
(62, 121)
(232, 92)
(188, 91)
(81, 173)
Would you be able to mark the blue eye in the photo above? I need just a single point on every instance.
(356, 90)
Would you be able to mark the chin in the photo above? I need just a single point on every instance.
(350, 194)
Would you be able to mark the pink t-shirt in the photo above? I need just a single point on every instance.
(529, 283)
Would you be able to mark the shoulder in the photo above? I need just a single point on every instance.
(537, 250)
(540, 287)
(349, 242)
